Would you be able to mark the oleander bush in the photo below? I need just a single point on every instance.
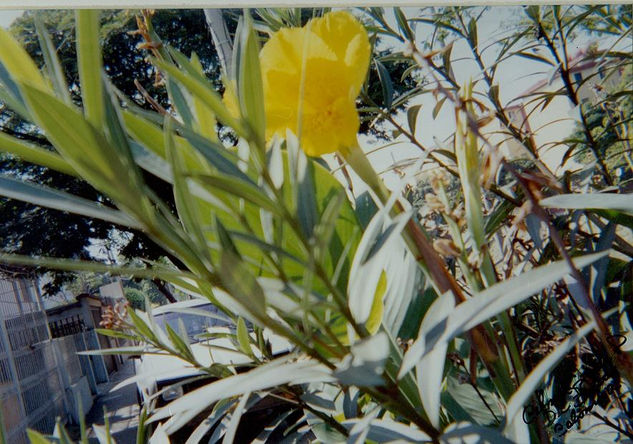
(488, 303)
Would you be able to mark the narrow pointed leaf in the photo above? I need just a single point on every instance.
(204, 92)
(51, 61)
(618, 202)
(272, 374)
(18, 63)
(229, 435)
(251, 88)
(412, 117)
(59, 200)
(35, 154)
(385, 83)
(430, 370)
(89, 64)
(243, 337)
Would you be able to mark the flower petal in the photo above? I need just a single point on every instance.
(347, 38)
(312, 76)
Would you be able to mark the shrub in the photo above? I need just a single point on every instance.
(396, 335)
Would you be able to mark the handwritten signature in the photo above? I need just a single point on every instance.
(583, 396)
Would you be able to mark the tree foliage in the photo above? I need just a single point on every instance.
(28, 229)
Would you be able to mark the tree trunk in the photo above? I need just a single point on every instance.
(164, 290)
(220, 36)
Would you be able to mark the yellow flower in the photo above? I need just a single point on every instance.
(312, 76)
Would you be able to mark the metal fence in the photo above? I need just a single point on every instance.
(41, 378)
(41, 375)
(30, 391)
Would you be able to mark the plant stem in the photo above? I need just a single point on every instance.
(621, 360)
(433, 264)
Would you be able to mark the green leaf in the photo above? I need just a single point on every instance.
(378, 241)
(141, 429)
(468, 165)
(186, 205)
(243, 338)
(225, 239)
(506, 294)
(430, 370)
(36, 437)
(133, 350)
(365, 364)
(205, 119)
(446, 60)
(219, 412)
(497, 217)
(179, 101)
(260, 244)
(242, 285)
(82, 146)
(365, 209)
(191, 67)
(465, 432)
(412, 117)
(533, 12)
(35, 154)
(51, 61)
(179, 343)
(204, 92)
(269, 375)
(113, 127)
(601, 201)
(89, 64)
(386, 430)
(142, 327)
(166, 274)
(10, 95)
(115, 334)
(59, 200)
(472, 32)
(385, 83)
(438, 107)
(377, 307)
(249, 81)
(324, 231)
(18, 62)
(404, 25)
(229, 435)
(146, 132)
(472, 405)
(239, 189)
(536, 57)
(215, 153)
(306, 204)
(489, 303)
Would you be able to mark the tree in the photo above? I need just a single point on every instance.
(609, 121)
(33, 230)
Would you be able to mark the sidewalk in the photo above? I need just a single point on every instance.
(121, 406)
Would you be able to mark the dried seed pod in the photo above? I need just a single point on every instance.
(446, 247)
(522, 213)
